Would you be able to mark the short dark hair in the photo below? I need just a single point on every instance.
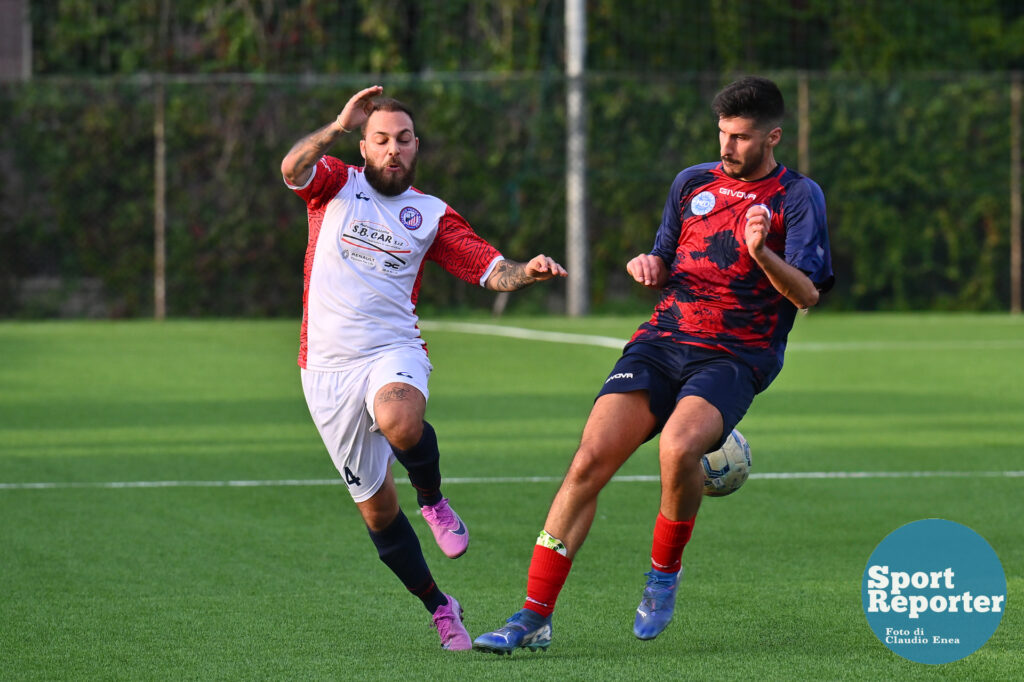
(751, 97)
(389, 104)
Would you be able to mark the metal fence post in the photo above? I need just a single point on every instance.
(576, 158)
(1015, 194)
(803, 131)
(159, 203)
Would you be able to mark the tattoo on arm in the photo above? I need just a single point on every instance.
(509, 276)
(307, 151)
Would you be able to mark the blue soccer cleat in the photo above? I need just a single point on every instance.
(658, 604)
(525, 629)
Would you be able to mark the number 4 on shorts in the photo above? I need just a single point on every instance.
(350, 478)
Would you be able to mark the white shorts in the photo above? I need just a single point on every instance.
(341, 404)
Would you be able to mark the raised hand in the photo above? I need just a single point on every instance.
(756, 231)
(357, 109)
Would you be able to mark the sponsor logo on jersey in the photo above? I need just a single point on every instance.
(411, 218)
(619, 375)
(736, 193)
(362, 258)
(369, 236)
(360, 195)
(702, 203)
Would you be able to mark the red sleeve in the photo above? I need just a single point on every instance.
(460, 250)
(329, 176)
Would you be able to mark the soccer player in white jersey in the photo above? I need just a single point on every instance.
(364, 366)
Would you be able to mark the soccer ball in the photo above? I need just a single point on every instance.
(727, 468)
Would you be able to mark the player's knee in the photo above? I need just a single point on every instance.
(589, 471)
(679, 459)
(403, 430)
(404, 436)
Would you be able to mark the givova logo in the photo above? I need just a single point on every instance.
(934, 591)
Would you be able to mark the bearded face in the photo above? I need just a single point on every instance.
(392, 177)
(389, 147)
(747, 152)
(743, 165)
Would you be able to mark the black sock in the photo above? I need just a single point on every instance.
(423, 462)
(399, 549)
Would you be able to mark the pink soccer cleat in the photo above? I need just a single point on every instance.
(448, 529)
(448, 621)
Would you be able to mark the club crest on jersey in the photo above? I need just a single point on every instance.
(411, 218)
(702, 203)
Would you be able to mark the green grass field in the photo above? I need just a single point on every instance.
(212, 581)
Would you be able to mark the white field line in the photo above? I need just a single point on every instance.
(606, 342)
(314, 482)
(521, 333)
(809, 346)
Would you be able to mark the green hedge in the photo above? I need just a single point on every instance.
(915, 172)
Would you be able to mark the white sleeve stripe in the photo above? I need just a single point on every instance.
(305, 184)
(490, 268)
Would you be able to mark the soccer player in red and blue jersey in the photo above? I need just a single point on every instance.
(743, 244)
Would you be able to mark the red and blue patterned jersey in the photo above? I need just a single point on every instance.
(716, 295)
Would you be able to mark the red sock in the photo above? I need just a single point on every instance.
(670, 537)
(548, 571)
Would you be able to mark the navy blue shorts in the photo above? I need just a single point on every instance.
(669, 371)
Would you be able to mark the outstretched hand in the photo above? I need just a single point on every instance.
(358, 108)
(541, 268)
(648, 270)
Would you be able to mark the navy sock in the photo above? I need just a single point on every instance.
(423, 462)
(399, 549)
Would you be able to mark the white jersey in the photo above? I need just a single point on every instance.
(364, 262)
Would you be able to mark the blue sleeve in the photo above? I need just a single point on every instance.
(807, 244)
(667, 239)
